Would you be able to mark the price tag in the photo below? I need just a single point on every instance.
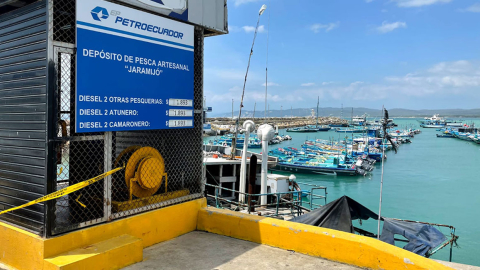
(181, 113)
(180, 123)
(180, 102)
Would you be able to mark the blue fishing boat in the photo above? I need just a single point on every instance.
(349, 130)
(445, 135)
(302, 129)
(324, 128)
(338, 125)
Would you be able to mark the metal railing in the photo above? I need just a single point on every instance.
(291, 200)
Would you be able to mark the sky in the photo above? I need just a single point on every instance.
(412, 54)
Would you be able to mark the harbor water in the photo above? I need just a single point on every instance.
(435, 180)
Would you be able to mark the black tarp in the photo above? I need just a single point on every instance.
(421, 237)
(337, 215)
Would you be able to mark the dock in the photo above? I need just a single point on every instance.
(201, 250)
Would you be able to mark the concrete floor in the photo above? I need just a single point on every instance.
(201, 250)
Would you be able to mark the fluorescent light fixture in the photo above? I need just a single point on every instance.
(262, 9)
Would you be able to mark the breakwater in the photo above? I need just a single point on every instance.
(228, 124)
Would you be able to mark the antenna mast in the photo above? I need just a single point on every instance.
(266, 65)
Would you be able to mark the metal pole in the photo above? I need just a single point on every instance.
(265, 133)
(381, 183)
(266, 66)
(263, 199)
(251, 182)
(249, 126)
(234, 143)
(107, 184)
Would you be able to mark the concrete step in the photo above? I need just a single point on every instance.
(113, 253)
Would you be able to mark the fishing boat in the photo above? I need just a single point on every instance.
(311, 160)
(359, 120)
(304, 129)
(338, 125)
(432, 124)
(445, 135)
(324, 128)
(349, 130)
(342, 170)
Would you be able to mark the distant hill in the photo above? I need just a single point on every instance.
(347, 112)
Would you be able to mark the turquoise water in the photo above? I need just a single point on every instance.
(432, 179)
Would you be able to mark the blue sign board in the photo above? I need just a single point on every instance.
(134, 70)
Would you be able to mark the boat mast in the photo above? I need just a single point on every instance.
(318, 102)
(381, 180)
(341, 113)
(352, 117)
(254, 108)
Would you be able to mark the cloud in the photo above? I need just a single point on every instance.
(241, 2)
(233, 29)
(328, 27)
(441, 84)
(444, 79)
(326, 83)
(389, 27)
(419, 3)
(472, 8)
(307, 84)
(249, 29)
(271, 84)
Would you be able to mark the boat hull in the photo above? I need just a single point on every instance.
(302, 130)
(444, 136)
(432, 126)
(314, 170)
(324, 129)
(349, 131)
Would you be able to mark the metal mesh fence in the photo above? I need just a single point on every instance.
(163, 167)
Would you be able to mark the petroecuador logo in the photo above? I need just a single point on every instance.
(99, 14)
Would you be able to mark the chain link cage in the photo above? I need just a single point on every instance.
(162, 167)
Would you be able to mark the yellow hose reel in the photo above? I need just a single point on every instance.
(144, 171)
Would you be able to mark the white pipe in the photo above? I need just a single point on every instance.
(249, 126)
(263, 190)
(265, 133)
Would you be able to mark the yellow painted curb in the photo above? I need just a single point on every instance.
(326, 243)
(20, 249)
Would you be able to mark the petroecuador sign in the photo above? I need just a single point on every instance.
(134, 70)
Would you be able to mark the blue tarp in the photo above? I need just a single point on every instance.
(422, 237)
